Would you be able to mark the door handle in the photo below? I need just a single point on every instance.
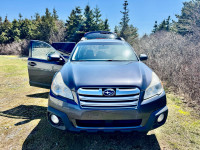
(32, 64)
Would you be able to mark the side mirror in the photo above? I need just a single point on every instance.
(53, 57)
(143, 57)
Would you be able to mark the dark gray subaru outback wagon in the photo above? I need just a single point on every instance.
(102, 86)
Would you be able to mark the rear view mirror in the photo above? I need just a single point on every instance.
(53, 57)
(143, 57)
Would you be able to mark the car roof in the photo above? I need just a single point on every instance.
(101, 32)
(102, 40)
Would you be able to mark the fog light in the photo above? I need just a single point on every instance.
(160, 118)
(54, 119)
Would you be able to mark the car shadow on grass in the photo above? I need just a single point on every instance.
(43, 136)
(39, 95)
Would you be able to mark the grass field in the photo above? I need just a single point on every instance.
(23, 123)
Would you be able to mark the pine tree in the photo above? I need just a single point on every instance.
(89, 19)
(116, 30)
(55, 16)
(125, 20)
(188, 21)
(15, 32)
(106, 25)
(98, 23)
(6, 28)
(168, 26)
(1, 24)
(165, 25)
(162, 26)
(20, 16)
(0, 19)
(47, 13)
(74, 25)
(26, 30)
(155, 27)
(37, 17)
(127, 31)
(132, 33)
(46, 27)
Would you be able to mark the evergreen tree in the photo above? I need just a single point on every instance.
(74, 27)
(89, 19)
(162, 26)
(36, 23)
(6, 28)
(106, 25)
(47, 14)
(1, 24)
(1, 20)
(98, 23)
(26, 30)
(116, 30)
(168, 26)
(155, 27)
(128, 32)
(188, 20)
(133, 33)
(55, 16)
(15, 32)
(125, 20)
(165, 25)
(46, 26)
(20, 16)
(37, 17)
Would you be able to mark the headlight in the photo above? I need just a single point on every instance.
(155, 87)
(58, 87)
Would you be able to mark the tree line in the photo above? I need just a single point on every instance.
(39, 27)
(49, 27)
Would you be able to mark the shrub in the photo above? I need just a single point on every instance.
(176, 60)
(15, 48)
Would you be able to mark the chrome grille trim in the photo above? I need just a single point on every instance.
(105, 104)
(90, 91)
(127, 91)
(129, 98)
(93, 97)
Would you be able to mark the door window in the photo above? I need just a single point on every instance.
(41, 50)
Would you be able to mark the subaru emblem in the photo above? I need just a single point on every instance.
(109, 92)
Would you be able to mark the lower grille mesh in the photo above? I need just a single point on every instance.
(108, 123)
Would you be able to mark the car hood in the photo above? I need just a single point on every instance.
(106, 74)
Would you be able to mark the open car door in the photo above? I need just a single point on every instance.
(43, 62)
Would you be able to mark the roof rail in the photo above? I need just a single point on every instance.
(83, 38)
(120, 38)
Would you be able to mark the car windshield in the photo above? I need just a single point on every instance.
(105, 51)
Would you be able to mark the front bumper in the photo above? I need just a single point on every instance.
(69, 112)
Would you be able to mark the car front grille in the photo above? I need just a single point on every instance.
(93, 97)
